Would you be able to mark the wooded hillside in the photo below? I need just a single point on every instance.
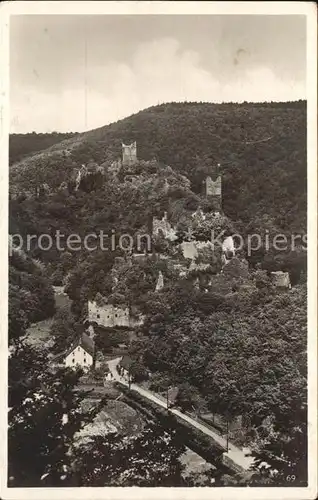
(261, 149)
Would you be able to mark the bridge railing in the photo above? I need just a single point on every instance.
(193, 416)
(203, 422)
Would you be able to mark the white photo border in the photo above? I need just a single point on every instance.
(308, 9)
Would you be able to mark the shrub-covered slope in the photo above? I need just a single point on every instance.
(31, 296)
(23, 145)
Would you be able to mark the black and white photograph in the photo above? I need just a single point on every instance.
(160, 319)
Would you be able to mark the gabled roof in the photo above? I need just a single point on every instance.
(87, 343)
(84, 341)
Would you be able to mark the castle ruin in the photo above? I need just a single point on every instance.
(129, 153)
(109, 315)
(82, 172)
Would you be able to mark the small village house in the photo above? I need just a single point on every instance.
(280, 280)
(81, 353)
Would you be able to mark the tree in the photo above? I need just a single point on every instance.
(18, 320)
(138, 371)
(31, 297)
(189, 398)
(30, 278)
(44, 415)
(281, 449)
(246, 356)
(149, 459)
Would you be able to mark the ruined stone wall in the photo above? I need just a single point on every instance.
(82, 172)
(280, 279)
(115, 167)
(108, 315)
(213, 187)
(198, 267)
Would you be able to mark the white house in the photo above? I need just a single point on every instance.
(81, 353)
(125, 366)
(280, 279)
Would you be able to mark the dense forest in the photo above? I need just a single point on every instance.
(239, 353)
(261, 149)
(48, 410)
(31, 297)
(232, 343)
(235, 347)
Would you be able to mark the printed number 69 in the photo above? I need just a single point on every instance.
(290, 478)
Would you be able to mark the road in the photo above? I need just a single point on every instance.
(235, 454)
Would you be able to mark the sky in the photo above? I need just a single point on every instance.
(76, 73)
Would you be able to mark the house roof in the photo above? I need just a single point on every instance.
(86, 342)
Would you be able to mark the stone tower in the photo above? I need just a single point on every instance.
(129, 153)
(213, 188)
